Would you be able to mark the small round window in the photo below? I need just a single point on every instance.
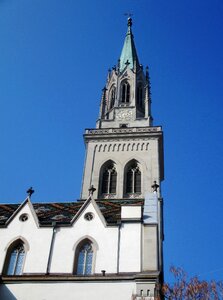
(23, 217)
(88, 216)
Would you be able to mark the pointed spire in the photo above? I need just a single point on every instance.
(148, 82)
(103, 104)
(129, 56)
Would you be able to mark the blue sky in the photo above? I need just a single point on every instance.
(54, 57)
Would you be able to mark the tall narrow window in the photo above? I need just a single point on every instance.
(125, 92)
(108, 179)
(85, 259)
(133, 178)
(112, 97)
(15, 260)
(139, 96)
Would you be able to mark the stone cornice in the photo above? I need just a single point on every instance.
(152, 275)
(154, 131)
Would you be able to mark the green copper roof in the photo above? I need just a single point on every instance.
(129, 56)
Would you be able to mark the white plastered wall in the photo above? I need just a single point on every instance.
(130, 250)
(69, 291)
(37, 241)
(67, 238)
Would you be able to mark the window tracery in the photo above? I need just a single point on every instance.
(109, 179)
(15, 259)
(85, 259)
(133, 178)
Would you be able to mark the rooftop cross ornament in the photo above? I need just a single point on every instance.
(155, 186)
(127, 62)
(91, 190)
(30, 191)
(129, 15)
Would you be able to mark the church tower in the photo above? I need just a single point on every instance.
(124, 154)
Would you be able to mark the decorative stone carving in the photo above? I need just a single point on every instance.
(124, 115)
(136, 146)
(126, 130)
(125, 75)
(98, 131)
(150, 129)
(108, 196)
(133, 195)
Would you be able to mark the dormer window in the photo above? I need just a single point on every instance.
(125, 92)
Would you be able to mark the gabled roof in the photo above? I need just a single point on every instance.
(6, 211)
(129, 55)
(64, 213)
(28, 202)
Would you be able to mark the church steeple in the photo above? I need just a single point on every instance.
(124, 162)
(129, 55)
(126, 98)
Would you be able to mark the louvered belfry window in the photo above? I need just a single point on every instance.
(109, 180)
(133, 179)
(16, 260)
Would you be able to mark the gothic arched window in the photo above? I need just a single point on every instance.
(108, 178)
(15, 259)
(133, 178)
(85, 259)
(125, 92)
(112, 95)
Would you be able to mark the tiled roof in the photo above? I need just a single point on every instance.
(56, 212)
(63, 213)
(6, 210)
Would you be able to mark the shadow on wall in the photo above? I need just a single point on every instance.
(6, 294)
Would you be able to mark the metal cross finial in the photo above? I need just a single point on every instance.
(128, 14)
(30, 191)
(127, 62)
(155, 186)
(129, 18)
(91, 190)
